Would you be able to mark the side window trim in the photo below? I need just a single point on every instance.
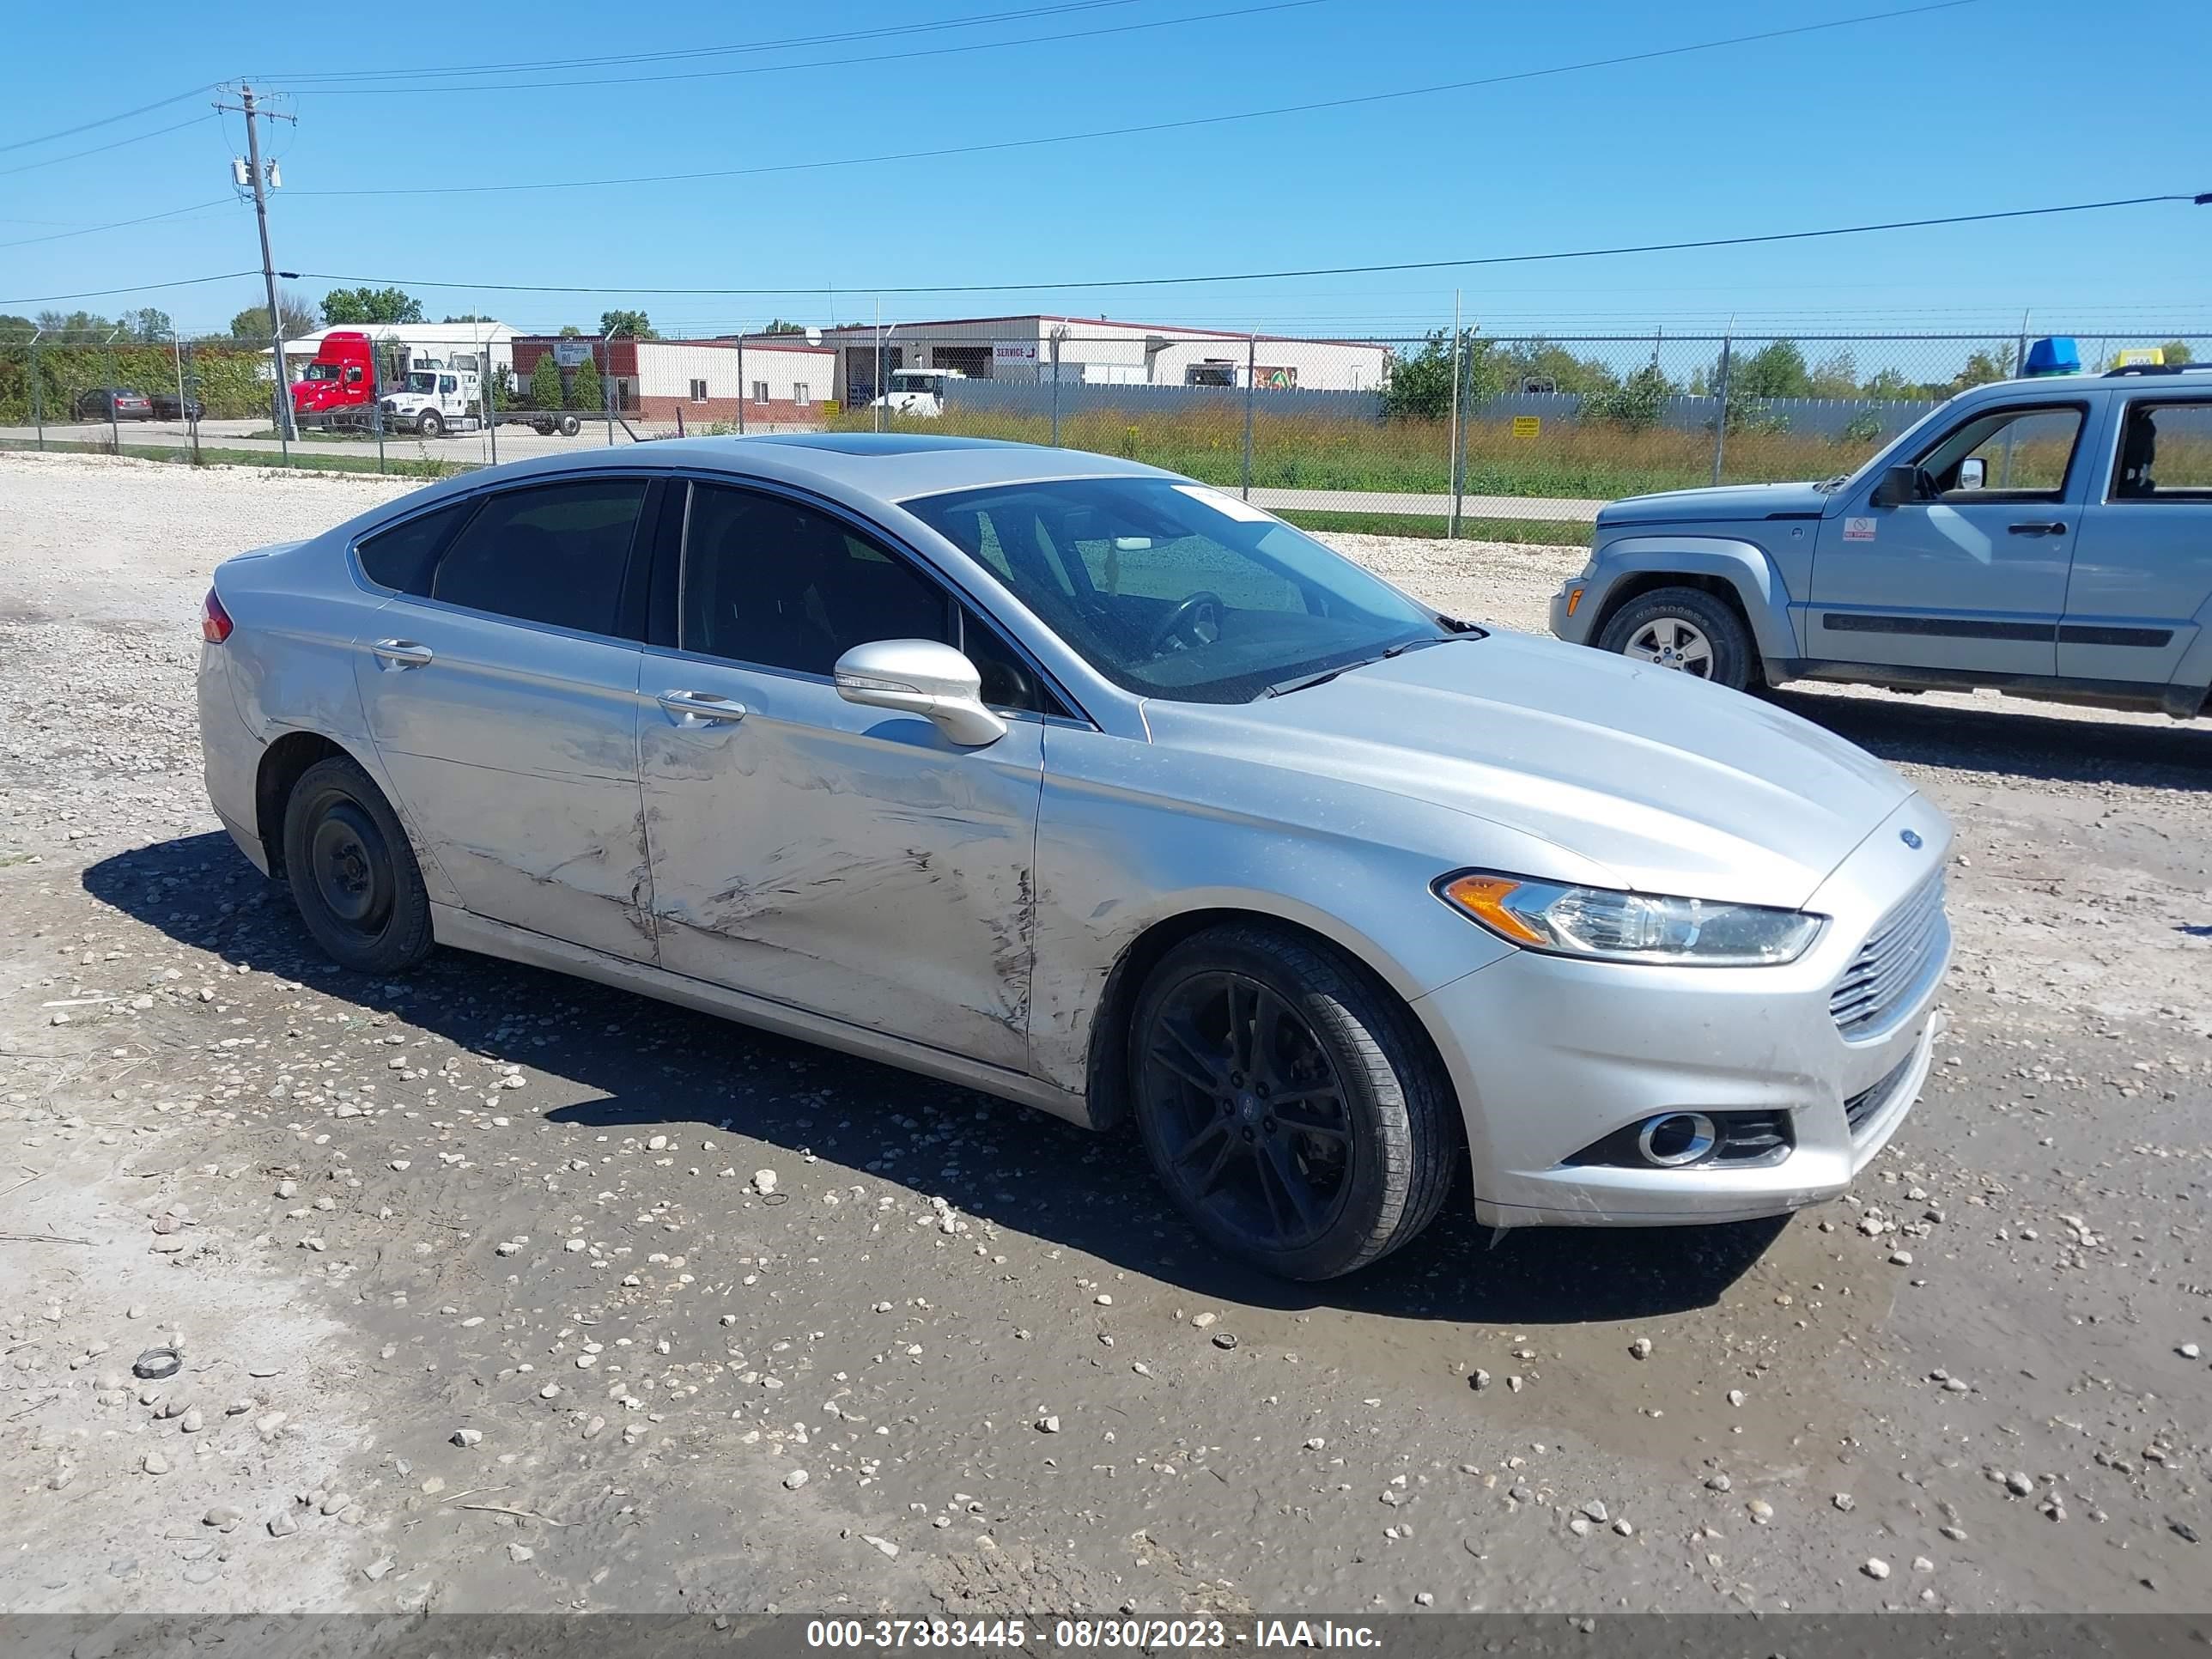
(890, 543)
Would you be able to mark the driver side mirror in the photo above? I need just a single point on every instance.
(920, 677)
(1899, 487)
(1973, 473)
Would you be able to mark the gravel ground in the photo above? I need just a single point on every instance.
(498, 1291)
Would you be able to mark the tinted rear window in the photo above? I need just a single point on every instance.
(555, 554)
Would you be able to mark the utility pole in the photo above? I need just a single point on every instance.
(247, 106)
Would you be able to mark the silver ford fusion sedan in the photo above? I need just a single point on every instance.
(1084, 785)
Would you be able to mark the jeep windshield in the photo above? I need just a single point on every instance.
(1178, 591)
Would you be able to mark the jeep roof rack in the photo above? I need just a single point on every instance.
(2155, 369)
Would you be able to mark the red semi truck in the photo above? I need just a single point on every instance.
(426, 394)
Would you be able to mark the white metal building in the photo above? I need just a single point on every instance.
(1100, 351)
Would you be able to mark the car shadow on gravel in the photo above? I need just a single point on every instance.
(639, 1065)
(2048, 747)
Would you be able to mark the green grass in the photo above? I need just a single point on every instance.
(1589, 461)
(1530, 532)
(394, 467)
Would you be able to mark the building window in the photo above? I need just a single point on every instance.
(698, 392)
(799, 395)
(760, 391)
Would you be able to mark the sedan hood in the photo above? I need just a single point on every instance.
(1729, 503)
(1670, 784)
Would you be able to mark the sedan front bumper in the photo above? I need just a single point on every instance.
(1551, 1055)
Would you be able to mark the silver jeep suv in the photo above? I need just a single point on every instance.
(2047, 537)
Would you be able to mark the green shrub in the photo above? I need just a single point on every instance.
(546, 383)
(584, 388)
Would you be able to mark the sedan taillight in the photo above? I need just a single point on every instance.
(214, 620)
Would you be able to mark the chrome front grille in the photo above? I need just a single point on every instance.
(1890, 966)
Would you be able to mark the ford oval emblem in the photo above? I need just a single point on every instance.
(1911, 838)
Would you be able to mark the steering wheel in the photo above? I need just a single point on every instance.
(1183, 618)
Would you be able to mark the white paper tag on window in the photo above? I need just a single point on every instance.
(1228, 505)
(1858, 530)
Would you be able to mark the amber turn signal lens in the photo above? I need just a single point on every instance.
(1484, 897)
(1574, 598)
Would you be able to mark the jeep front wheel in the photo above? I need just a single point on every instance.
(1687, 630)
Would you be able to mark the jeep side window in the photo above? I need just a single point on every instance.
(2165, 454)
(2026, 454)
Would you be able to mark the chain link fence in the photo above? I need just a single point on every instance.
(1431, 434)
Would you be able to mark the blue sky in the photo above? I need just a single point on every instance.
(1991, 105)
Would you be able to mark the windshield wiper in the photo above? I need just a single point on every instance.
(1282, 688)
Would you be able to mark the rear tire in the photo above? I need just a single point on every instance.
(1289, 1102)
(570, 426)
(352, 873)
(1686, 631)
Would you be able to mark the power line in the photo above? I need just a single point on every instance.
(600, 61)
(98, 149)
(108, 120)
(136, 287)
(1103, 284)
(1182, 124)
(120, 224)
(404, 88)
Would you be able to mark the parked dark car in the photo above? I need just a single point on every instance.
(93, 404)
(166, 407)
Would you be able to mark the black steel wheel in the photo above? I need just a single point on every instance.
(351, 871)
(1289, 1101)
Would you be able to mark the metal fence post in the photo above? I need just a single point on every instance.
(376, 399)
(37, 390)
(743, 391)
(1454, 474)
(488, 396)
(177, 346)
(1056, 335)
(607, 382)
(1251, 392)
(114, 420)
(1720, 389)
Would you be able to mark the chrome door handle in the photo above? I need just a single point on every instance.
(2037, 529)
(688, 706)
(401, 654)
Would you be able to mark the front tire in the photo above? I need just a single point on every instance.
(352, 873)
(430, 426)
(1687, 630)
(1289, 1102)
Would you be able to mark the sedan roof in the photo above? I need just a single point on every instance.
(885, 467)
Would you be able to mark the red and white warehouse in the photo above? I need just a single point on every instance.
(775, 380)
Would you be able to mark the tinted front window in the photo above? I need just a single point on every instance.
(1174, 590)
(555, 553)
(405, 557)
(776, 583)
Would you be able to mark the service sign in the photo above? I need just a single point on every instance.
(1013, 351)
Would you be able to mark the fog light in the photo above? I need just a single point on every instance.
(1676, 1139)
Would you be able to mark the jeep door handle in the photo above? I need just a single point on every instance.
(401, 654)
(2052, 529)
(689, 706)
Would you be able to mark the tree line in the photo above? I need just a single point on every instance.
(1420, 383)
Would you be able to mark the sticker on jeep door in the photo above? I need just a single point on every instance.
(1858, 530)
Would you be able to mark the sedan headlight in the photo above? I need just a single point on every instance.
(1600, 923)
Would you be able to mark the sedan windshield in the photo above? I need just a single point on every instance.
(1176, 591)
